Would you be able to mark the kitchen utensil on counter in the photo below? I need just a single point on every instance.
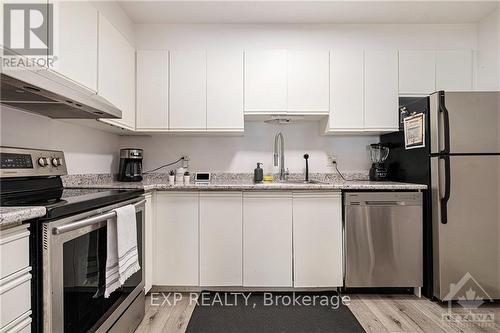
(378, 154)
(258, 174)
(130, 169)
(306, 157)
(179, 176)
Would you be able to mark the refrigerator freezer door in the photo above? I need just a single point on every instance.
(474, 122)
(470, 240)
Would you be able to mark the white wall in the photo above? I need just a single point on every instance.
(240, 154)
(488, 57)
(86, 150)
(118, 18)
(319, 36)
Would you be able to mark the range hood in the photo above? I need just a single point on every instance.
(29, 91)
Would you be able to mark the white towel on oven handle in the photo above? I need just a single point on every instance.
(122, 259)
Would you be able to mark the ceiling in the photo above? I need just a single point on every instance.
(397, 11)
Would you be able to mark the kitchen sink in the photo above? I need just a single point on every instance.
(300, 181)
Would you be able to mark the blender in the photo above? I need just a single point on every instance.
(378, 154)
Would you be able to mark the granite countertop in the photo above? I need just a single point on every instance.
(13, 216)
(237, 182)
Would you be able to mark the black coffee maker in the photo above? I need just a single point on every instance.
(378, 154)
(130, 165)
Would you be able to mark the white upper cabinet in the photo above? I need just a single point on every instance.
(346, 90)
(75, 42)
(381, 90)
(417, 72)
(308, 81)
(454, 70)
(152, 90)
(188, 90)
(225, 91)
(116, 75)
(281, 81)
(266, 81)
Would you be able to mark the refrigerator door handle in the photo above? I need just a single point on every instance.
(447, 188)
(446, 123)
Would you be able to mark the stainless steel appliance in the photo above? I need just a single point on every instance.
(383, 232)
(55, 98)
(68, 246)
(130, 169)
(378, 155)
(461, 165)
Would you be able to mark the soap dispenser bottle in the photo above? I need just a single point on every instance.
(258, 174)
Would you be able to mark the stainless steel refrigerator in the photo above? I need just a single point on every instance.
(461, 165)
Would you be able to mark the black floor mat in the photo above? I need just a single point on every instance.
(254, 313)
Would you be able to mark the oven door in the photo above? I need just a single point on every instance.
(74, 264)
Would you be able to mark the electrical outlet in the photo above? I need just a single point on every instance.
(332, 159)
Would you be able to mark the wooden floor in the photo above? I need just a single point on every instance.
(376, 313)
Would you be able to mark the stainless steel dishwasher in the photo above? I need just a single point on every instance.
(383, 232)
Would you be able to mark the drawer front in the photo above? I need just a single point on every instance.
(14, 251)
(15, 297)
(19, 325)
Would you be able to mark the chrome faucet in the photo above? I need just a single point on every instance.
(279, 155)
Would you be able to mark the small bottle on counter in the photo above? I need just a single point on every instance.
(258, 174)
(171, 177)
(187, 178)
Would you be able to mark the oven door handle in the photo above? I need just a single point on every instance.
(89, 221)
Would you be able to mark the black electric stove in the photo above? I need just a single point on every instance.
(30, 177)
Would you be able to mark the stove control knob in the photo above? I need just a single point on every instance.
(42, 161)
(56, 162)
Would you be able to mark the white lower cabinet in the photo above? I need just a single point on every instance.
(15, 280)
(317, 239)
(221, 223)
(267, 239)
(250, 239)
(176, 239)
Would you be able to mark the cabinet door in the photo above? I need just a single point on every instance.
(225, 90)
(346, 90)
(176, 239)
(265, 81)
(417, 72)
(148, 241)
(221, 215)
(267, 239)
(308, 81)
(75, 41)
(188, 90)
(317, 239)
(381, 90)
(454, 70)
(152, 90)
(116, 75)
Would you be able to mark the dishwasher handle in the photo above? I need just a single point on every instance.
(385, 203)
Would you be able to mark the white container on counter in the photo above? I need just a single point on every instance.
(187, 179)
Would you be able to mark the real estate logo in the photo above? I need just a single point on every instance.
(27, 36)
(470, 295)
